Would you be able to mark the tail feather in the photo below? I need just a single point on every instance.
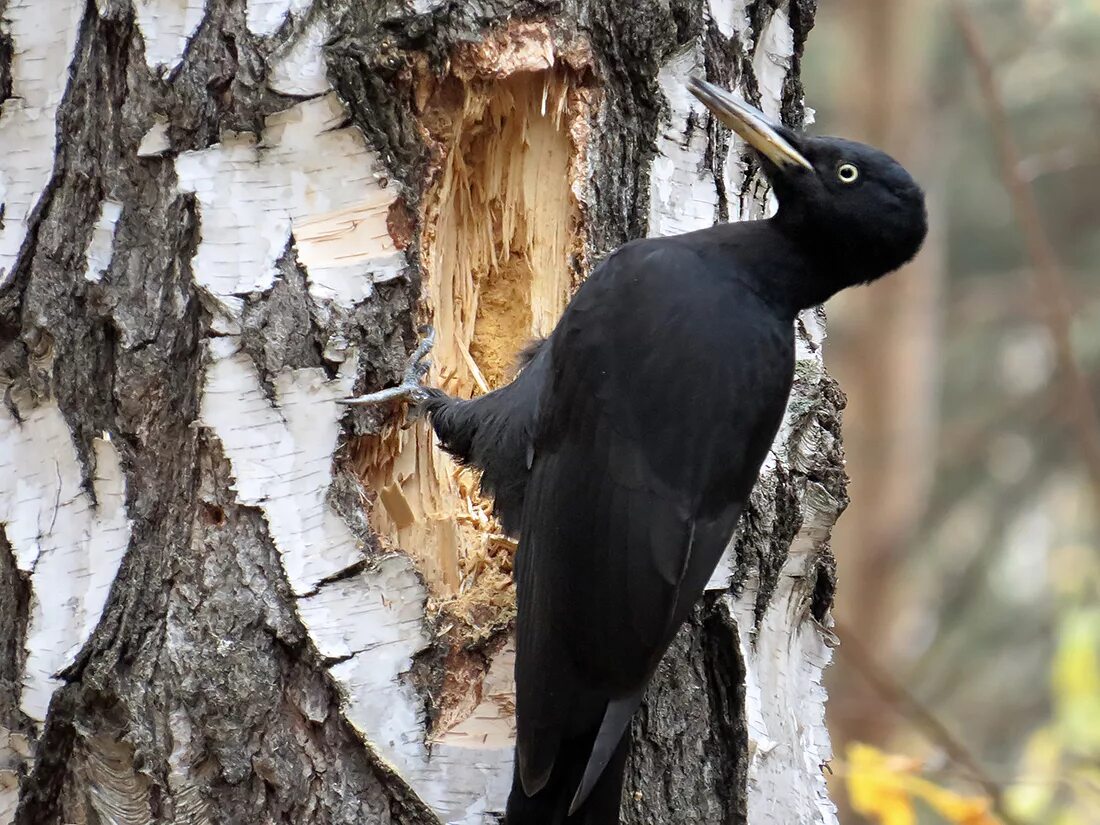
(609, 740)
(550, 806)
(494, 433)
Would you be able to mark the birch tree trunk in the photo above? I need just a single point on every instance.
(225, 597)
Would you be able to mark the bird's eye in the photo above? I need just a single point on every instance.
(847, 173)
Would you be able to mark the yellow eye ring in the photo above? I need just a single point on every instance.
(847, 173)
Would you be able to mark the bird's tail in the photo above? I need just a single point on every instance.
(550, 806)
(455, 423)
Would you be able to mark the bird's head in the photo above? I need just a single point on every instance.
(853, 208)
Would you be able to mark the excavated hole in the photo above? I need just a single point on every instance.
(500, 228)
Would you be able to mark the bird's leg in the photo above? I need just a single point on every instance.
(410, 389)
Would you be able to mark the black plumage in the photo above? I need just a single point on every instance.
(495, 433)
(625, 449)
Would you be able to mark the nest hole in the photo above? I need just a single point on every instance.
(500, 233)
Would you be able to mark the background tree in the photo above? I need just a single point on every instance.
(885, 349)
(225, 597)
(991, 624)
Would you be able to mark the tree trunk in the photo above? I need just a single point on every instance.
(223, 596)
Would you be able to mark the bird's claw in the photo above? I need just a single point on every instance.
(410, 389)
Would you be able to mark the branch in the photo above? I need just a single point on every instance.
(1050, 281)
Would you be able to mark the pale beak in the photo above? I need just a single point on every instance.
(749, 122)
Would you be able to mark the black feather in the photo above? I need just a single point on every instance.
(494, 433)
(551, 805)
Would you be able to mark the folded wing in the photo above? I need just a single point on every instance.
(635, 487)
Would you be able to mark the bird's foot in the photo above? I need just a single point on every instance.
(410, 389)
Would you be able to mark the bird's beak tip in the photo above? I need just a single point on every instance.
(748, 122)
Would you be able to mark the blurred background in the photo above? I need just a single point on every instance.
(967, 684)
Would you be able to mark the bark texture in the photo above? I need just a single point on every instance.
(223, 597)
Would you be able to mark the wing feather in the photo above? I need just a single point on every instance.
(635, 489)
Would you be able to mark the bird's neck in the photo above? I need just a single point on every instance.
(837, 255)
(786, 273)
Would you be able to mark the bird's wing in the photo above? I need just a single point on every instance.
(664, 396)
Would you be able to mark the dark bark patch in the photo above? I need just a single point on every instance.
(15, 594)
(824, 588)
(401, 224)
(688, 762)
(277, 329)
(41, 793)
(5, 66)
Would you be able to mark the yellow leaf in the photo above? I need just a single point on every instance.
(955, 808)
(883, 787)
(875, 789)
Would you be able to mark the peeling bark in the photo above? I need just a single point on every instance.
(226, 598)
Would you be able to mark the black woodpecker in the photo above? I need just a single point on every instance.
(623, 452)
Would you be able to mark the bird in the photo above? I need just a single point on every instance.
(624, 450)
